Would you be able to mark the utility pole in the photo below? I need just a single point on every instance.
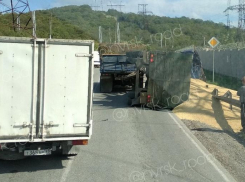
(228, 14)
(116, 5)
(34, 24)
(120, 6)
(50, 27)
(100, 35)
(143, 11)
(241, 15)
(18, 23)
(16, 8)
(95, 8)
(101, 5)
(110, 35)
(241, 11)
(118, 33)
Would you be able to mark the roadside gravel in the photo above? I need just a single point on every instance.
(227, 147)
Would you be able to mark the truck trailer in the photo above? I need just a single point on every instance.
(162, 78)
(46, 89)
(113, 69)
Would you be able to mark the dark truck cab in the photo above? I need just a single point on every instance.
(115, 70)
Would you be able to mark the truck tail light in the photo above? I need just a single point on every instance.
(152, 58)
(148, 98)
(80, 142)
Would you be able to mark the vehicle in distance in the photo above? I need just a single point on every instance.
(113, 71)
(96, 59)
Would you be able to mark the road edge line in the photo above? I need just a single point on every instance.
(200, 149)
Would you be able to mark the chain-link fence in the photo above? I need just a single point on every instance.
(227, 61)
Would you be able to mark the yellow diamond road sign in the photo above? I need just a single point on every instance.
(213, 42)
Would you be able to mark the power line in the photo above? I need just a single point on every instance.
(241, 11)
(101, 5)
(143, 10)
(19, 7)
(95, 7)
(241, 15)
(228, 14)
(116, 5)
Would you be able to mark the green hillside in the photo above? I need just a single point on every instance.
(60, 29)
(81, 22)
(147, 29)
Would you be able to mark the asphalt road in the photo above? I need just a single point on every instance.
(128, 144)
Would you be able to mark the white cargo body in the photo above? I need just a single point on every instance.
(45, 90)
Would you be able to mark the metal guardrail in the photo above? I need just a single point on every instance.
(227, 97)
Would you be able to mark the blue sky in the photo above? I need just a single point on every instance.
(205, 9)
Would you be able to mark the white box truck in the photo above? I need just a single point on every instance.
(96, 58)
(46, 89)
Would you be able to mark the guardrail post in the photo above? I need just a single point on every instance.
(215, 92)
(227, 97)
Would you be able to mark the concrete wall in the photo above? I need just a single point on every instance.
(226, 62)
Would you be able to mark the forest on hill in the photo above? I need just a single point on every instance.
(60, 29)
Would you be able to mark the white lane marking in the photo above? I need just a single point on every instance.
(199, 148)
(69, 164)
(67, 170)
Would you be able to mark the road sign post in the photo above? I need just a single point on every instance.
(213, 43)
(213, 65)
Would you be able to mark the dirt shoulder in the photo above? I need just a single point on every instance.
(226, 147)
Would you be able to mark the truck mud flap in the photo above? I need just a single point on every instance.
(106, 84)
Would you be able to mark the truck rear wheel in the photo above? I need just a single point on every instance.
(106, 84)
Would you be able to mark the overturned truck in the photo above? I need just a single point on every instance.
(162, 80)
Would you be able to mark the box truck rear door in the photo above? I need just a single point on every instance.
(66, 90)
(18, 68)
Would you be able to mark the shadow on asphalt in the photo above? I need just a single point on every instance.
(115, 90)
(32, 164)
(118, 98)
(208, 129)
